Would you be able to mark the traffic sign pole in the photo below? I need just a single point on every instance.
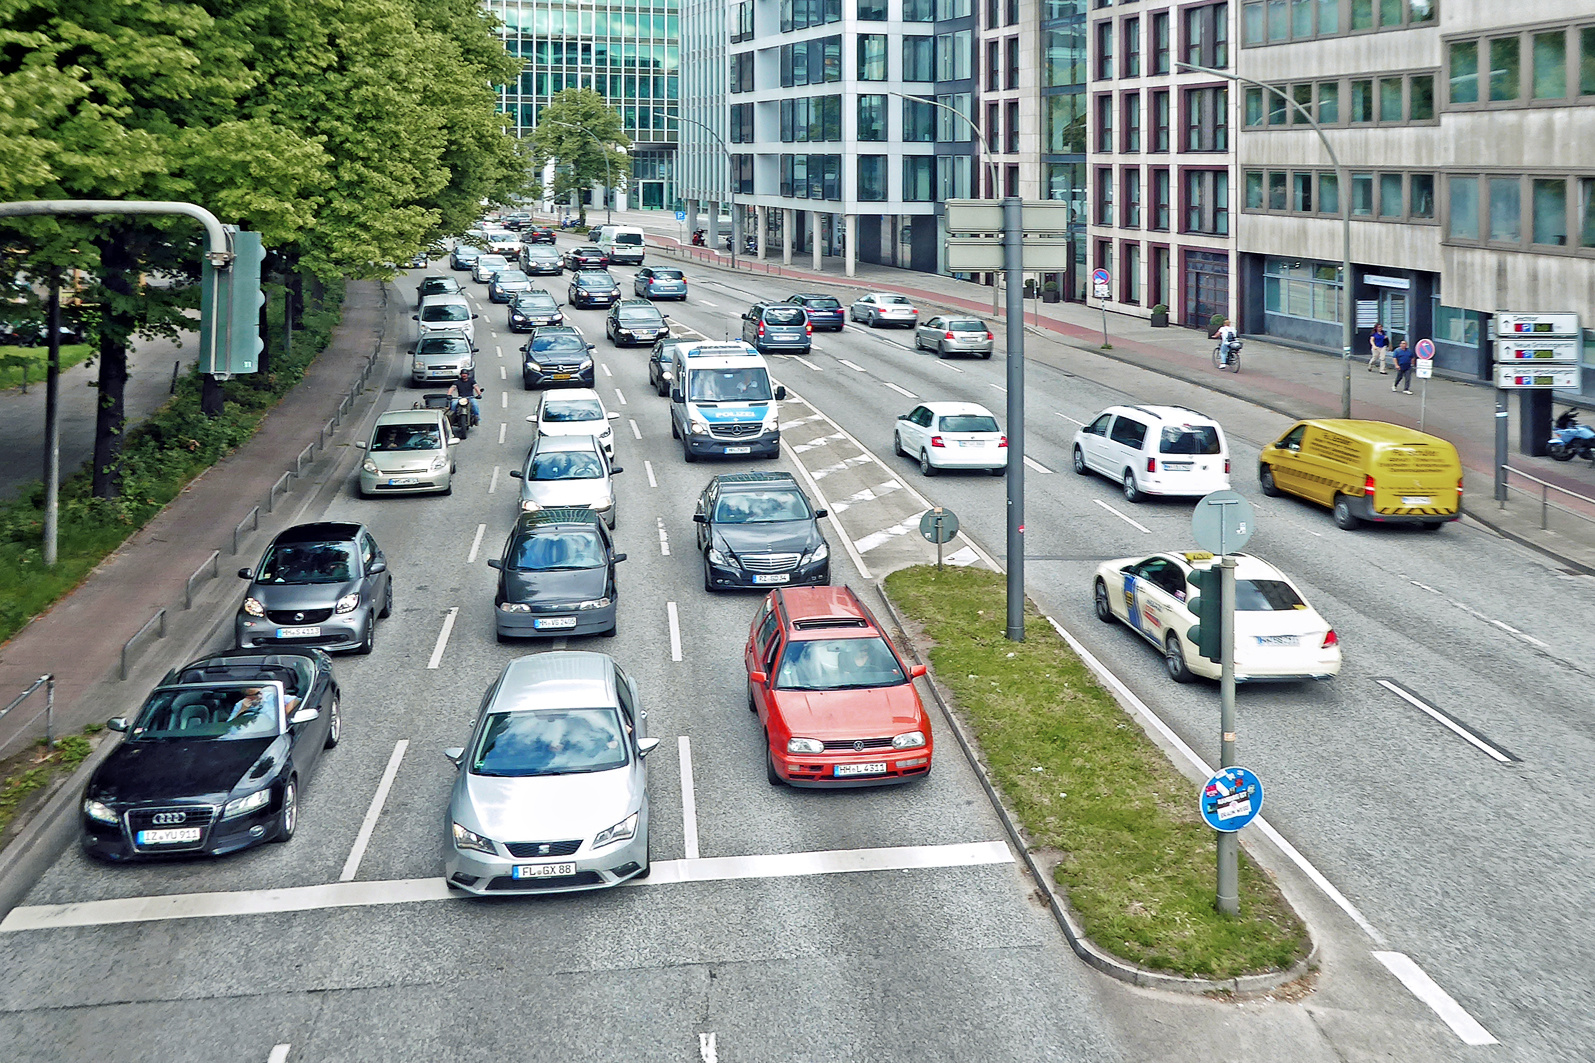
(1425, 351)
(1102, 286)
(1228, 846)
(1013, 261)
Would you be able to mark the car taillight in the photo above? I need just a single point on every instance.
(1226, 466)
(948, 336)
(989, 336)
(1151, 465)
(1331, 639)
(1459, 490)
(1367, 486)
(761, 328)
(936, 441)
(1002, 442)
(808, 326)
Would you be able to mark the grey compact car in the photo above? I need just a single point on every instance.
(439, 356)
(551, 791)
(952, 334)
(322, 584)
(410, 452)
(563, 471)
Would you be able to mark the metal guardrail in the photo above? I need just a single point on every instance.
(1546, 505)
(281, 484)
(304, 455)
(48, 712)
(213, 562)
(252, 515)
(159, 617)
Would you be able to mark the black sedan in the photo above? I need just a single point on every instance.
(534, 309)
(537, 234)
(215, 758)
(660, 359)
(322, 584)
(633, 322)
(557, 576)
(592, 288)
(586, 257)
(444, 285)
(759, 530)
(557, 356)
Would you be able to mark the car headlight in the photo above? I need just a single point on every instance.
(804, 745)
(697, 428)
(621, 831)
(348, 603)
(718, 558)
(908, 740)
(253, 607)
(369, 466)
(439, 464)
(819, 553)
(420, 366)
(596, 603)
(514, 607)
(99, 812)
(239, 806)
(557, 318)
(528, 506)
(465, 838)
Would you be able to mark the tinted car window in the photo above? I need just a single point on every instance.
(965, 324)
(1189, 439)
(517, 744)
(446, 312)
(760, 507)
(1265, 596)
(552, 551)
(535, 301)
(308, 563)
(838, 664)
(1128, 432)
(667, 274)
(573, 410)
(510, 275)
(968, 422)
(893, 300)
(222, 714)
(542, 252)
(821, 302)
(784, 315)
(406, 437)
(564, 344)
(443, 345)
(565, 465)
(628, 238)
(639, 315)
(600, 283)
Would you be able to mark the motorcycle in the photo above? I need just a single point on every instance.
(698, 238)
(459, 411)
(1570, 440)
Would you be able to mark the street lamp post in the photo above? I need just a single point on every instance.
(1348, 328)
(608, 185)
(991, 170)
(731, 186)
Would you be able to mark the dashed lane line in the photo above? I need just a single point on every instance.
(1128, 520)
(492, 485)
(504, 400)
(503, 427)
(1036, 465)
(279, 1054)
(636, 433)
(811, 365)
(648, 467)
(1465, 1026)
(1066, 417)
(853, 366)
(503, 373)
(796, 422)
(476, 544)
(822, 441)
(848, 463)
(900, 390)
(886, 535)
(664, 539)
(1450, 723)
(832, 513)
(605, 367)
(689, 800)
(619, 395)
(443, 638)
(675, 631)
(351, 866)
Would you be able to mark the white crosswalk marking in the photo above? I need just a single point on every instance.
(858, 459)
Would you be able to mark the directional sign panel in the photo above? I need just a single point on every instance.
(1222, 522)
(1231, 799)
(969, 254)
(1537, 350)
(1560, 377)
(1522, 325)
(938, 525)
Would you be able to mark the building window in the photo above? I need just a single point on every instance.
(1390, 195)
(742, 173)
(1104, 253)
(949, 9)
(1011, 78)
(1104, 196)
(1065, 124)
(742, 72)
(1132, 197)
(993, 66)
(1130, 272)
(993, 131)
(1105, 49)
(1010, 180)
(1132, 48)
(1160, 120)
(1506, 210)
(918, 178)
(992, 7)
(1012, 11)
(1252, 190)
(1160, 43)
(1362, 101)
(949, 128)
(919, 11)
(953, 176)
(801, 14)
(1276, 190)
(1301, 193)
(742, 23)
(1328, 193)
(1159, 219)
(1585, 219)
(954, 52)
(1206, 201)
(872, 10)
(919, 59)
(1390, 103)
(1586, 61)
(919, 121)
(1362, 195)
(871, 177)
(1303, 290)
(1132, 121)
(1329, 103)
(1549, 81)
(811, 62)
(1011, 127)
(1463, 67)
(871, 117)
(1207, 119)
(1506, 72)
(1420, 195)
(1420, 98)
(1462, 194)
(872, 57)
(741, 123)
(1105, 123)
(1207, 35)
(1550, 211)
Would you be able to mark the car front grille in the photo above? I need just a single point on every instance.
(580, 878)
(735, 431)
(555, 367)
(298, 616)
(769, 562)
(168, 817)
(858, 745)
(525, 850)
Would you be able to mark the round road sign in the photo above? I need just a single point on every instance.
(1231, 799)
(1223, 522)
(938, 525)
(1099, 276)
(1425, 349)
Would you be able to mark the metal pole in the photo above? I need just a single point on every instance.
(1228, 847)
(1013, 221)
(52, 424)
(732, 192)
(1501, 416)
(49, 711)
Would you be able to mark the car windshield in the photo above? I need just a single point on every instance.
(667, 275)
(549, 742)
(565, 343)
(488, 261)
(640, 315)
(535, 301)
(728, 385)
(968, 422)
(965, 324)
(467, 251)
(784, 315)
(308, 563)
(573, 410)
(565, 465)
(760, 507)
(1189, 439)
(442, 284)
(509, 276)
(406, 437)
(821, 302)
(443, 345)
(595, 282)
(543, 252)
(216, 713)
(1266, 596)
(446, 312)
(554, 551)
(838, 664)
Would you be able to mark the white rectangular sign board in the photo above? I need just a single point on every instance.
(1521, 326)
(1517, 350)
(1561, 377)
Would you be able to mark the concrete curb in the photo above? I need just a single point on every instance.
(1087, 950)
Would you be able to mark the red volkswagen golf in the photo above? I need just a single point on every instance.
(837, 702)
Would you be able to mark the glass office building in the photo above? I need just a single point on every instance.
(627, 50)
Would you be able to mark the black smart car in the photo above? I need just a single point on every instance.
(215, 758)
(758, 529)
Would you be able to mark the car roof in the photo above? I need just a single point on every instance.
(825, 613)
(422, 416)
(750, 480)
(556, 516)
(321, 531)
(588, 247)
(1180, 414)
(1247, 566)
(445, 299)
(559, 679)
(579, 441)
(445, 334)
(943, 408)
(569, 394)
(885, 295)
(439, 278)
(810, 295)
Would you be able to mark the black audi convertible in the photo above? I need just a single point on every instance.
(215, 758)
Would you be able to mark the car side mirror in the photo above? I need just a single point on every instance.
(618, 558)
(615, 470)
(377, 567)
(665, 316)
(245, 573)
(533, 417)
(415, 317)
(494, 562)
(614, 415)
(780, 393)
(360, 443)
(304, 716)
(455, 755)
(700, 518)
(475, 316)
(916, 671)
(758, 677)
(646, 746)
(821, 513)
(592, 346)
(676, 396)
(517, 474)
(117, 723)
(453, 439)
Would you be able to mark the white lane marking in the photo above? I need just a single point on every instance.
(1508, 628)
(886, 535)
(664, 538)
(1066, 417)
(853, 366)
(504, 400)
(500, 350)
(945, 364)
(707, 1052)
(811, 365)
(812, 480)
(1128, 696)
(503, 426)
(443, 638)
(901, 391)
(675, 631)
(705, 302)
(604, 366)
(279, 1054)
(999, 387)
(795, 422)
(503, 374)
(636, 433)
(1445, 720)
(476, 544)
(352, 865)
(869, 494)
(492, 485)
(689, 799)
(621, 397)
(1036, 465)
(1465, 1026)
(822, 441)
(648, 467)
(857, 459)
(410, 891)
(1128, 520)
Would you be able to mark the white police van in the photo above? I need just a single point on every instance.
(722, 401)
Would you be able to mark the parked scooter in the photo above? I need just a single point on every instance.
(1569, 439)
(698, 238)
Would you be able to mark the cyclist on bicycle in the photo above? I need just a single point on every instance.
(1227, 340)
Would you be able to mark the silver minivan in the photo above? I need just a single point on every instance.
(777, 327)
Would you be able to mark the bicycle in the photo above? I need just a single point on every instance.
(1234, 362)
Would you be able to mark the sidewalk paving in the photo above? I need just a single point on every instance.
(1290, 381)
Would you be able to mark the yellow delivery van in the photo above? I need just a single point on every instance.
(1366, 471)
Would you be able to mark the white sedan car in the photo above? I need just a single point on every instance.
(951, 435)
(1278, 636)
(884, 308)
(578, 412)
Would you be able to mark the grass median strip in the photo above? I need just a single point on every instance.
(26, 775)
(1086, 783)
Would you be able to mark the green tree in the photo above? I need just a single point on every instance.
(580, 131)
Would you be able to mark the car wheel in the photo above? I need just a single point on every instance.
(1079, 462)
(449, 490)
(1432, 526)
(925, 466)
(334, 725)
(1174, 659)
(647, 863)
(673, 433)
(288, 819)
(1100, 599)
(1265, 480)
(686, 453)
(753, 706)
(770, 773)
(608, 633)
(986, 355)
(1001, 471)
(941, 350)
(874, 320)
(1132, 493)
(387, 602)
(370, 643)
(708, 581)
(897, 443)
(918, 344)
(1344, 517)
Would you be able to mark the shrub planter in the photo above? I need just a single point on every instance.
(1160, 316)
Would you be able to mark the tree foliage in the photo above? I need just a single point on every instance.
(583, 135)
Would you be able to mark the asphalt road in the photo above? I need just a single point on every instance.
(1473, 868)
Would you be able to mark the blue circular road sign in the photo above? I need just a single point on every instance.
(1231, 799)
(1099, 276)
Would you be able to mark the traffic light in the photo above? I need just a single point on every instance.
(1208, 634)
(229, 309)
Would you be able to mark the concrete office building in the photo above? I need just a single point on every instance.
(628, 51)
(1463, 127)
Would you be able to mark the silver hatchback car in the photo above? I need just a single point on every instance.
(568, 472)
(551, 792)
(951, 334)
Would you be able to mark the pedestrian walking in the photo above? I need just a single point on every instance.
(1405, 361)
(1378, 348)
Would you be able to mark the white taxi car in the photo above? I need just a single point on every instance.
(1278, 636)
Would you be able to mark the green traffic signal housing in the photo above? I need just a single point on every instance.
(229, 309)
(1208, 632)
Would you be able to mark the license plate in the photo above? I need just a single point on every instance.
(542, 870)
(772, 577)
(874, 767)
(168, 836)
(1277, 640)
(739, 450)
(971, 442)
(1169, 466)
(298, 632)
(554, 622)
(1416, 500)
(403, 481)
(563, 376)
